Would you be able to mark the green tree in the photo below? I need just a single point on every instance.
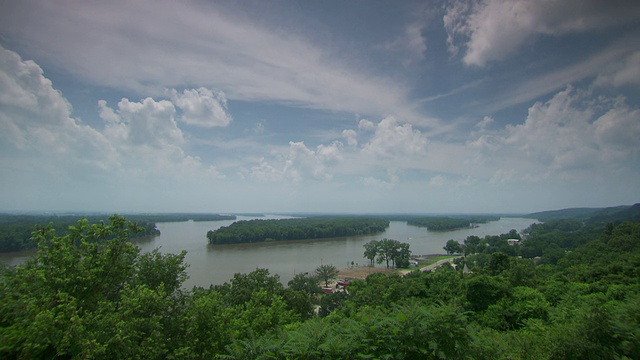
(498, 263)
(304, 282)
(483, 291)
(156, 269)
(452, 247)
(402, 256)
(371, 251)
(471, 244)
(326, 273)
(387, 250)
(87, 295)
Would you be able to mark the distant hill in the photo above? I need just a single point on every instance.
(617, 214)
(596, 215)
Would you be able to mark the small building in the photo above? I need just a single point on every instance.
(465, 269)
(513, 241)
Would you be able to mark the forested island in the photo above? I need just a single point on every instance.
(439, 223)
(253, 231)
(15, 230)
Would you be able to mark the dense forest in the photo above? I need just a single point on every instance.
(15, 230)
(570, 289)
(439, 223)
(252, 231)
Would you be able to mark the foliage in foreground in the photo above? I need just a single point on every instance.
(91, 294)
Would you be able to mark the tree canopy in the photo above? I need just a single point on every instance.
(440, 223)
(452, 247)
(326, 272)
(251, 231)
(388, 250)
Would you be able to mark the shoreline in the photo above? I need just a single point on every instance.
(361, 272)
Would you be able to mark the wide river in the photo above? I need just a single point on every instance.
(216, 264)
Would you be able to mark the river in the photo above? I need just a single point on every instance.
(216, 264)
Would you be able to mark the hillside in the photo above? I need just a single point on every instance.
(609, 214)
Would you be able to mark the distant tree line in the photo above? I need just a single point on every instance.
(388, 250)
(253, 231)
(436, 223)
(16, 230)
(169, 217)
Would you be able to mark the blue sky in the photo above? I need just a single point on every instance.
(332, 106)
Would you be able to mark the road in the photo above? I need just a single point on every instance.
(433, 266)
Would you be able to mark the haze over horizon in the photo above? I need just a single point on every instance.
(342, 107)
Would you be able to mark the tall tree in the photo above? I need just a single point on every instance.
(452, 247)
(403, 255)
(371, 251)
(387, 250)
(304, 282)
(326, 273)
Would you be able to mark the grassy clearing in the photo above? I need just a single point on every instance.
(432, 259)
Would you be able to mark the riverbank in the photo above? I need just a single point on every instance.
(425, 263)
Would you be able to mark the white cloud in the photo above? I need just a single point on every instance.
(621, 73)
(395, 141)
(564, 138)
(618, 131)
(150, 141)
(201, 107)
(367, 125)
(163, 44)
(36, 122)
(299, 163)
(389, 184)
(351, 136)
(146, 123)
(486, 121)
(47, 154)
(558, 79)
(492, 30)
(411, 45)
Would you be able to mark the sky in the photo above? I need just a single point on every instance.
(319, 106)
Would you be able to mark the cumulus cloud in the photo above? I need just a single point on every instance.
(299, 163)
(47, 150)
(143, 123)
(492, 30)
(148, 137)
(486, 121)
(386, 146)
(36, 121)
(568, 137)
(351, 136)
(392, 140)
(367, 125)
(202, 107)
